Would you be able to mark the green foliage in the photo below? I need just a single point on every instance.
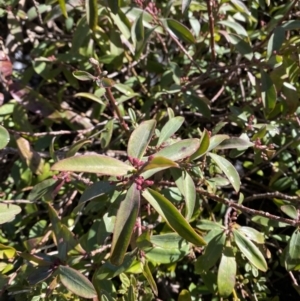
(149, 150)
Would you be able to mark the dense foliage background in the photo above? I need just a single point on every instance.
(149, 150)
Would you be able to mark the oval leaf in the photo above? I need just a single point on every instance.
(291, 253)
(179, 30)
(93, 164)
(226, 273)
(186, 186)
(173, 217)
(216, 140)
(236, 143)
(228, 170)
(83, 75)
(4, 137)
(250, 250)
(169, 129)
(179, 150)
(8, 212)
(140, 139)
(76, 282)
(253, 234)
(125, 221)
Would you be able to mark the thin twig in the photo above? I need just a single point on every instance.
(271, 195)
(57, 133)
(248, 210)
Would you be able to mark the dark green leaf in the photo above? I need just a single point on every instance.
(179, 30)
(93, 164)
(186, 185)
(276, 40)
(179, 150)
(114, 5)
(204, 144)
(76, 282)
(290, 210)
(125, 221)
(228, 170)
(83, 75)
(173, 217)
(171, 127)
(226, 273)
(148, 275)
(140, 138)
(250, 250)
(292, 251)
(137, 30)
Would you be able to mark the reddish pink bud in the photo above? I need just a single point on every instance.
(150, 158)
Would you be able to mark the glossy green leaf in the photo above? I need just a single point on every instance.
(179, 30)
(83, 75)
(216, 140)
(185, 5)
(275, 41)
(41, 189)
(76, 282)
(137, 30)
(148, 275)
(125, 221)
(186, 185)
(76, 147)
(228, 170)
(268, 93)
(90, 96)
(173, 217)
(93, 164)
(170, 128)
(212, 253)
(166, 248)
(289, 210)
(179, 150)
(253, 234)
(140, 138)
(106, 135)
(184, 295)
(204, 144)
(161, 163)
(204, 224)
(238, 28)
(250, 250)
(292, 251)
(226, 273)
(62, 4)
(4, 137)
(91, 7)
(235, 143)
(122, 23)
(8, 212)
